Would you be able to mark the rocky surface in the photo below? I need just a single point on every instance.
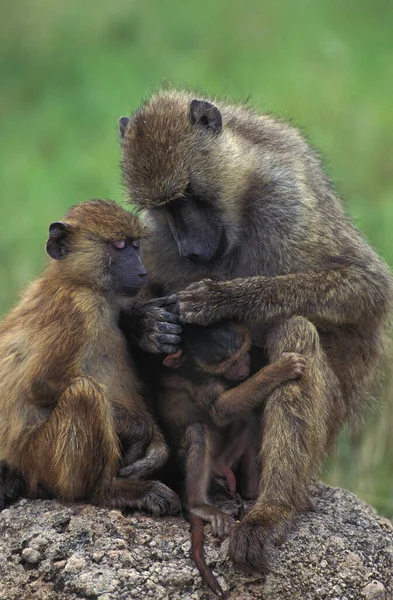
(53, 551)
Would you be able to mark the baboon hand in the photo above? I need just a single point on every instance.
(159, 326)
(154, 458)
(292, 364)
(205, 302)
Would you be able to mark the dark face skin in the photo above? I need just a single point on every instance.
(197, 229)
(240, 369)
(128, 272)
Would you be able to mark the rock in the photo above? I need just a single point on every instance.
(51, 551)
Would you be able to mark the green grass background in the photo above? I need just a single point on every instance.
(70, 68)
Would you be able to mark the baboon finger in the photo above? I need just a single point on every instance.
(169, 339)
(169, 328)
(168, 317)
(167, 349)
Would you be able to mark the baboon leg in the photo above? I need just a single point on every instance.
(77, 447)
(295, 433)
(76, 454)
(133, 493)
(198, 474)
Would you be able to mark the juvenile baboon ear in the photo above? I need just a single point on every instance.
(174, 360)
(123, 122)
(57, 245)
(205, 115)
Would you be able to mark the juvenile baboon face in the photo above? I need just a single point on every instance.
(166, 164)
(103, 239)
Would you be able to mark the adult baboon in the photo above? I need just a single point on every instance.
(240, 206)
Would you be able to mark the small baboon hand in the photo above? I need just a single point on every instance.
(292, 364)
(205, 302)
(158, 326)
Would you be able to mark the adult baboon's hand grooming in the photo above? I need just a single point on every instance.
(239, 203)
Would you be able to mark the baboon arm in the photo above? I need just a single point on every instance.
(341, 296)
(153, 326)
(154, 457)
(252, 393)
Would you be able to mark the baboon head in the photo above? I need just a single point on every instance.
(97, 243)
(221, 350)
(179, 164)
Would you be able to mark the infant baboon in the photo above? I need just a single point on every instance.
(70, 406)
(209, 421)
(241, 209)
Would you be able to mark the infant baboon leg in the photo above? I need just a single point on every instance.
(295, 432)
(198, 474)
(198, 464)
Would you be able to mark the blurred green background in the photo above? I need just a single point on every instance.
(70, 68)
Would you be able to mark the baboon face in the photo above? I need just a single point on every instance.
(197, 228)
(167, 168)
(98, 243)
(128, 273)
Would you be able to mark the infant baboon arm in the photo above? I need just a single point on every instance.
(251, 394)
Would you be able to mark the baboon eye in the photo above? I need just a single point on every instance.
(120, 245)
(135, 244)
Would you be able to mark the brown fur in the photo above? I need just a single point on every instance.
(70, 404)
(295, 269)
(210, 423)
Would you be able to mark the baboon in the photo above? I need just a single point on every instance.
(209, 421)
(70, 405)
(246, 226)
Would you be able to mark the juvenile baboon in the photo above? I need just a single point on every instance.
(207, 415)
(70, 406)
(240, 206)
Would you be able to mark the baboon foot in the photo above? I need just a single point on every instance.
(161, 500)
(252, 541)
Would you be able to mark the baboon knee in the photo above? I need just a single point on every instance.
(296, 334)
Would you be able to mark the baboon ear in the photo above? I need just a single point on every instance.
(123, 122)
(205, 115)
(57, 245)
